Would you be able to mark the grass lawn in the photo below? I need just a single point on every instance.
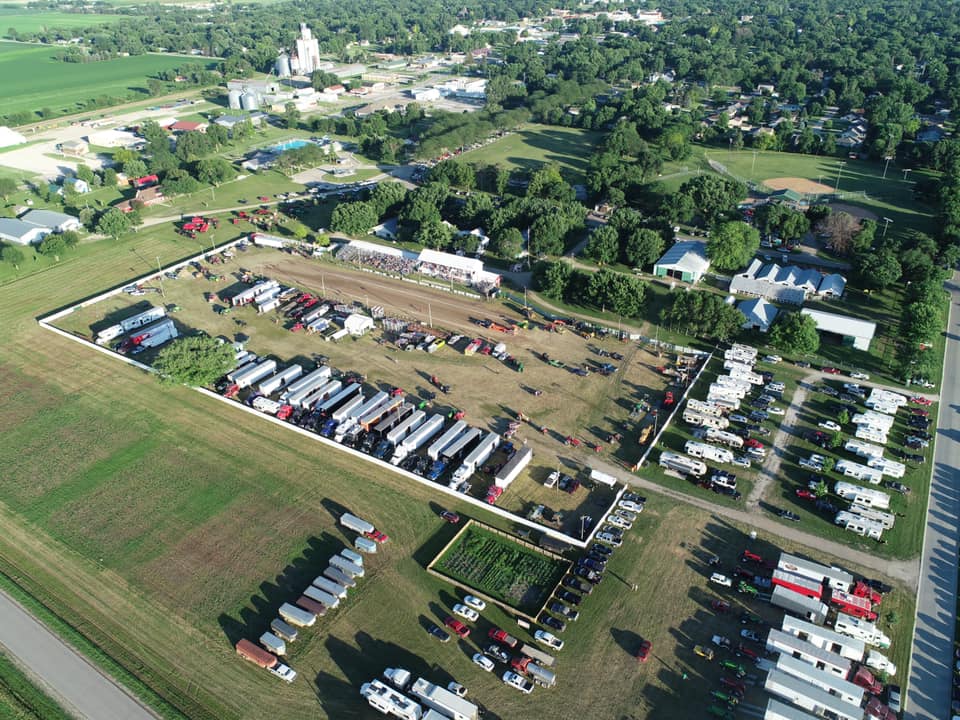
(38, 21)
(35, 80)
(20, 699)
(538, 144)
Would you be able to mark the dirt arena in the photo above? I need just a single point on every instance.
(801, 185)
(857, 212)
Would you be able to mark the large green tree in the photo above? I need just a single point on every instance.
(643, 247)
(552, 278)
(113, 223)
(198, 361)
(603, 245)
(732, 245)
(795, 334)
(353, 218)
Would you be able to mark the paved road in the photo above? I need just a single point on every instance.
(931, 660)
(61, 671)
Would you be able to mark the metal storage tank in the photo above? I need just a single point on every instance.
(233, 99)
(250, 101)
(283, 65)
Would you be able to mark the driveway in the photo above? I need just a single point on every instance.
(62, 672)
(931, 660)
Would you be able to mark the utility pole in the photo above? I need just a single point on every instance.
(160, 275)
(886, 224)
(905, 171)
(836, 187)
(888, 158)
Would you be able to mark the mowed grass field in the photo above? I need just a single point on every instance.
(536, 145)
(34, 22)
(34, 80)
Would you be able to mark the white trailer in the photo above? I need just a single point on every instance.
(274, 644)
(731, 391)
(393, 418)
(836, 578)
(267, 305)
(509, 472)
(825, 638)
(737, 366)
(750, 377)
(890, 468)
(810, 697)
(871, 433)
(886, 519)
(296, 616)
(406, 427)
(682, 464)
(787, 644)
(722, 436)
(444, 701)
(704, 408)
(340, 577)
(723, 401)
(321, 393)
(358, 525)
(354, 557)
(858, 471)
(148, 337)
(344, 412)
(372, 403)
(477, 456)
(346, 566)
(315, 314)
(823, 679)
(133, 322)
(863, 449)
(248, 364)
(741, 353)
(333, 402)
(879, 662)
(308, 382)
(281, 379)
(862, 526)
(862, 496)
(879, 396)
(707, 452)
(247, 296)
(806, 607)
(423, 434)
(876, 419)
(861, 630)
(455, 430)
(698, 420)
(258, 372)
(329, 586)
(266, 405)
(262, 240)
(460, 445)
(387, 701)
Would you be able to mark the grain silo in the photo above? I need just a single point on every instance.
(250, 101)
(283, 65)
(233, 99)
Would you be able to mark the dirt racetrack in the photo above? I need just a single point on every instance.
(801, 185)
(857, 212)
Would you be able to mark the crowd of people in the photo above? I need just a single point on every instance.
(396, 264)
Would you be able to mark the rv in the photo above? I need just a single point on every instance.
(862, 496)
(858, 471)
(682, 464)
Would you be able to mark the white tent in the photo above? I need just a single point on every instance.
(357, 324)
(10, 137)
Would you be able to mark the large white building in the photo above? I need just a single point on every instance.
(307, 58)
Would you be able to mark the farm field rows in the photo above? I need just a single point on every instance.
(35, 80)
(35, 22)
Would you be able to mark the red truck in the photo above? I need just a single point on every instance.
(865, 679)
(861, 589)
(267, 660)
(502, 637)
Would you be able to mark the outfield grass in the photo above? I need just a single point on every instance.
(34, 80)
(35, 22)
(536, 145)
(20, 699)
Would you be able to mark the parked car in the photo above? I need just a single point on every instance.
(859, 376)
(805, 494)
(438, 633)
(830, 370)
(643, 652)
(788, 515)
(483, 661)
(627, 515)
(830, 425)
(703, 651)
(619, 522)
(894, 699)
(548, 639)
(458, 627)
(584, 588)
(721, 579)
(738, 418)
(465, 612)
(592, 563)
(497, 653)
(601, 549)
(475, 602)
(772, 358)
(897, 486)
(802, 364)
(828, 390)
(518, 681)
(741, 461)
(569, 597)
(552, 622)
(609, 539)
(750, 635)
(630, 506)
(720, 606)
(450, 516)
(774, 410)
(568, 612)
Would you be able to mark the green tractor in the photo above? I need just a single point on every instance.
(719, 712)
(746, 588)
(720, 695)
(734, 667)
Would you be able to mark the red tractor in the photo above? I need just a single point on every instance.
(668, 399)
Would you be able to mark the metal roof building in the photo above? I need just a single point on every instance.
(777, 710)
(759, 314)
(810, 697)
(855, 332)
(21, 232)
(802, 670)
(787, 644)
(686, 260)
(825, 638)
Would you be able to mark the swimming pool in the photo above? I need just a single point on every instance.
(290, 145)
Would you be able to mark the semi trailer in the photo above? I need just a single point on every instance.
(149, 337)
(307, 383)
(452, 433)
(267, 660)
(296, 616)
(258, 372)
(423, 434)
(280, 380)
(405, 427)
(133, 322)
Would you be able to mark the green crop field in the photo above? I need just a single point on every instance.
(538, 144)
(34, 80)
(35, 22)
(502, 569)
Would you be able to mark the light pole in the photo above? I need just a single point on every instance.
(753, 164)
(886, 224)
(906, 170)
(160, 276)
(583, 521)
(888, 158)
(836, 187)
